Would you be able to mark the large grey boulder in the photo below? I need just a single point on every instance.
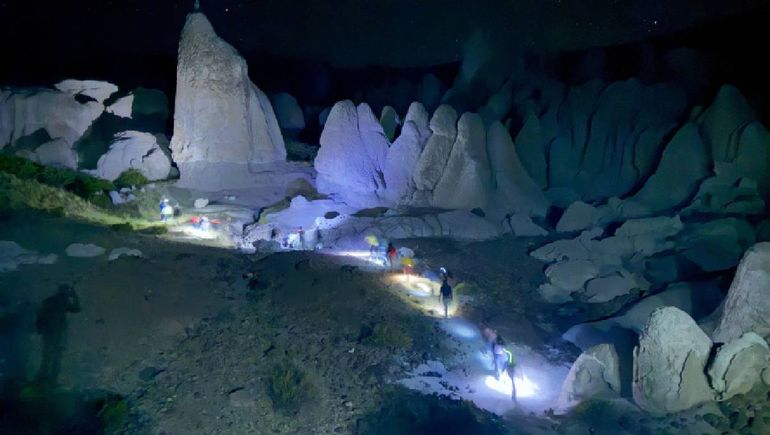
(594, 375)
(24, 112)
(747, 307)
(515, 192)
(98, 90)
(738, 365)
(134, 150)
(580, 216)
(466, 181)
(670, 363)
(434, 157)
(221, 120)
(57, 153)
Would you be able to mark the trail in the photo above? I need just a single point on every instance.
(467, 372)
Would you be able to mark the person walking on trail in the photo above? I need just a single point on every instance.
(301, 232)
(504, 363)
(391, 252)
(445, 296)
(408, 266)
(166, 211)
(491, 338)
(374, 244)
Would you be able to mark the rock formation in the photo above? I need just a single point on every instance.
(222, 121)
(134, 150)
(748, 300)
(288, 113)
(738, 365)
(594, 375)
(97, 90)
(670, 363)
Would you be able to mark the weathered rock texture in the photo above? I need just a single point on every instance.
(670, 363)
(594, 375)
(134, 150)
(222, 121)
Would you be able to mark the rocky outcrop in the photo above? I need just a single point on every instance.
(400, 163)
(599, 270)
(134, 150)
(58, 115)
(432, 161)
(747, 307)
(594, 375)
(287, 112)
(738, 365)
(222, 121)
(670, 363)
(352, 155)
(95, 89)
(466, 180)
(56, 153)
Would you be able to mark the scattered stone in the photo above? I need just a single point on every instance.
(82, 250)
(12, 255)
(738, 366)
(201, 203)
(121, 252)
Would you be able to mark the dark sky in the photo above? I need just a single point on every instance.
(134, 42)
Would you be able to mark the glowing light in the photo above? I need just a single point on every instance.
(362, 255)
(524, 386)
(424, 287)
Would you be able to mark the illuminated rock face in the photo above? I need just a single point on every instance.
(747, 306)
(134, 150)
(738, 365)
(670, 363)
(595, 374)
(221, 117)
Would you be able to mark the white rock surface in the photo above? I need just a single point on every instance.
(433, 159)
(134, 150)
(594, 375)
(738, 365)
(287, 112)
(465, 182)
(12, 255)
(201, 202)
(747, 307)
(670, 363)
(84, 250)
(98, 90)
(57, 153)
(220, 115)
(352, 154)
(25, 111)
(122, 107)
(400, 164)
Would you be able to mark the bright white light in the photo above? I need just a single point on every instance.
(524, 386)
(362, 255)
(424, 287)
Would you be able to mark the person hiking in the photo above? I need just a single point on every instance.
(504, 363)
(445, 296)
(301, 232)
(391, 253)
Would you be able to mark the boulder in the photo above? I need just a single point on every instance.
(81, 250)
(124, 252)
(522, 226)
(25, 112)
(430, 167)
(287, 112)
(580, 216)
(515, 192)
(670, 363)
(608, 287)
(722, 121)
(390, 121)
(57, 153)
(747, 306)
(12, 255)
(134, 150)
(122, 107)
(221, 118)
(738, 365)
(95, 89)
(421, 119)
(466, 181)
(594, 375)
(201, 202)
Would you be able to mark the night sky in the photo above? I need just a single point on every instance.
(134, 41)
